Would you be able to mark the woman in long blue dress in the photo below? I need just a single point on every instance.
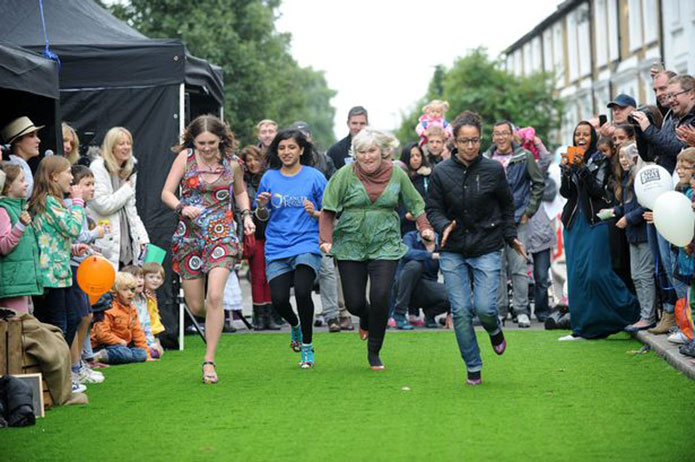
(600, 303)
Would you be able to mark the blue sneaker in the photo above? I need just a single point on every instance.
(402, 322)
(296, 343)
(307, 361)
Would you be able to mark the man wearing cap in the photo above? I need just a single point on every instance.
(22, 134)
(340, 151)
(328, 281)
(620, 107)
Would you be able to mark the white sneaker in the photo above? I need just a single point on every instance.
(87, 375)
(569, 338)
(678, 338)
(77, 387)
(523, 321)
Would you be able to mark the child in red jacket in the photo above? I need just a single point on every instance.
(118, 336)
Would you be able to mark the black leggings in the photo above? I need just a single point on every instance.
(353, 275)
(303, 278)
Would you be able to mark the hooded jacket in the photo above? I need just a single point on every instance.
(525, 181)
(478, 198)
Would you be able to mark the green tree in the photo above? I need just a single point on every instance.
(477, 83)
(261, 79)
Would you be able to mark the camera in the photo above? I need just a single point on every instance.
(644, 110)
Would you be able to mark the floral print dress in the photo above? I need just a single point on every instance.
(209, 240)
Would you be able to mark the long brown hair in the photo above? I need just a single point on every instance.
(211, 124)
(630, 148)
(45, 184)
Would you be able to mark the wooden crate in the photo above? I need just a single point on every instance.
(13, 361)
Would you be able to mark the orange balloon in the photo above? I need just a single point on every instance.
(95, 276)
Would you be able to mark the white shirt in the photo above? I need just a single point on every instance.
(27, 173)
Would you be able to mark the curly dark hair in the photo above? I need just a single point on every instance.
(211, 124)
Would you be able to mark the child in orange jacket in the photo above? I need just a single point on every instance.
(118, 336)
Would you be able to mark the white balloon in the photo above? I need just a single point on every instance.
(650, 183)
(674, 218)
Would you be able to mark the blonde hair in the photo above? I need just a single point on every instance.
(437, 131)
(687, 155)
(110, 161)
(153, 267)
(45, 184)
(265, 122)
(74, 154)
(436, 103)
(124, 281)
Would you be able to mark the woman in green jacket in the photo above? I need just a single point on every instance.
(366, 240)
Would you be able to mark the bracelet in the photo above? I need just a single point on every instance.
(245, 213)
(179, 208)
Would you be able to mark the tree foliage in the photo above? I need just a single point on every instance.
(480, 84)
(261, 79)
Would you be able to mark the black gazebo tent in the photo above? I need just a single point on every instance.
(111, 75)
(29, 87)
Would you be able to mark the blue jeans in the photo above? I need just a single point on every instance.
(465, 305)
(119, 354)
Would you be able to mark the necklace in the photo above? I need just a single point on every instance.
(214, 168)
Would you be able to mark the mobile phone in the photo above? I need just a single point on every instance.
(602, 119)
(574, 151)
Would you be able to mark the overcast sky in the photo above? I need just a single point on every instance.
(381, 53)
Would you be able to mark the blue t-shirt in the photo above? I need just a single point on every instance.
(290, 230)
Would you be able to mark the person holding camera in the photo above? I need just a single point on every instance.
(622, 106)
(599, 301)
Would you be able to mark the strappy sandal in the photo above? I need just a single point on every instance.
(209, 379)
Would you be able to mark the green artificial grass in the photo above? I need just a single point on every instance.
(541, 400)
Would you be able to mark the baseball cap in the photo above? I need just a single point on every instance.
(623, 100)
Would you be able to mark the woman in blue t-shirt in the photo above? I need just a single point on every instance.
(288, 198)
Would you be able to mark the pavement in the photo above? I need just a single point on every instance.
(668, 351)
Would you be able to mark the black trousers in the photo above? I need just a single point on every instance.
(373, 316)
(303, 280)
(412, 291)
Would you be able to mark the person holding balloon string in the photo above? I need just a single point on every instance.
(205, 246)
(599, 301)
(630, 218)
(675, 220)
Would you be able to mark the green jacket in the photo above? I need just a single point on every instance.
(19, 270)
(366, 230)
(56, 228)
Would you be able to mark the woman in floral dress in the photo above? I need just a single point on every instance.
(206, 245)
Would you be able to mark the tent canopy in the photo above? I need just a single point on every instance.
(29, 87)
(98, 50)
(23, 70)
(111, 75)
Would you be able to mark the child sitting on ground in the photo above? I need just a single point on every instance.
(140, 302)
(154, 278)
(433, 116)
(118, 336)
(19, 252)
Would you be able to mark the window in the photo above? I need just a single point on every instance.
(650, 14)
(634, 16)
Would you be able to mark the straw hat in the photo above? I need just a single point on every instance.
(19, 127)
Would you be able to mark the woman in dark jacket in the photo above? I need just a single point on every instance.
(471, 206)
(600, 303)
(418, 169)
